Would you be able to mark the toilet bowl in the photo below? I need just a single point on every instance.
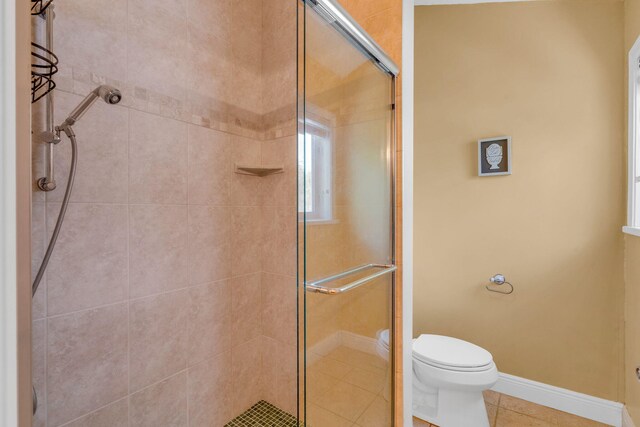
(449, 376)
(382, 344)
(382, 348)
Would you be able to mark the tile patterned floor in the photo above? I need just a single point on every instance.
(263, 414)
(347, 388)
(507, 411)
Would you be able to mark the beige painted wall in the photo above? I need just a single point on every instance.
(550, 74)
(632, 267)
(632, 322)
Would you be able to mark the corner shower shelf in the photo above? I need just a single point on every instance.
(258, 170)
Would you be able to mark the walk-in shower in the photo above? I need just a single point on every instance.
(227, 253)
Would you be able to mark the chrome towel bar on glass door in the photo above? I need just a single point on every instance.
(316, 286)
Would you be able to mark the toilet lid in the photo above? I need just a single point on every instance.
(450, 352)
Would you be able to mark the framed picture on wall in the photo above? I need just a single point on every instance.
(494, 156)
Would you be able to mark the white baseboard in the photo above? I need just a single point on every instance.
(322, 348)
(337, 339)
(626, 418)
(582, 405)
(449, 2)
(358, 342)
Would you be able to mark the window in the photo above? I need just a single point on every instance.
(315, 170)
(633, 198)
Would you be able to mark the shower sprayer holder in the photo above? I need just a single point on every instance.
(48, 183)
(67, 129)
(50, 137)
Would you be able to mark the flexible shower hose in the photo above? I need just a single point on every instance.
(63, 210)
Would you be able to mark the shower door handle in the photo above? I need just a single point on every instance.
(317, 285)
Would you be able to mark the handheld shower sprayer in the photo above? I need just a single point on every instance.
(108, 94)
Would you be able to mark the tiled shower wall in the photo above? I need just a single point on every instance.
(170, 297)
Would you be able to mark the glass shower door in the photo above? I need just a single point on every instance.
(345, 205)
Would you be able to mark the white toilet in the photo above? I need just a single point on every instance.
(449, 376)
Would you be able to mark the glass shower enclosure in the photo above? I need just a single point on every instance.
(346, 245)
(227, 248)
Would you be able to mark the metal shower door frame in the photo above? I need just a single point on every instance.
(340, 19)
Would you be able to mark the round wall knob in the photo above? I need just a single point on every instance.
(498, 279)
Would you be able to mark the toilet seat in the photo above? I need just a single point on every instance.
(451, 354)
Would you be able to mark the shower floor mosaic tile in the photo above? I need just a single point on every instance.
(263, 414)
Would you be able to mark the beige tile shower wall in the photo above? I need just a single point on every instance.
(157, 308)
(279, 205)
(550, 74)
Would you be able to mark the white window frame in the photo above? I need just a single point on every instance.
(322, 170)
(633, 169)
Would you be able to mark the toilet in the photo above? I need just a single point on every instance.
(449, 376)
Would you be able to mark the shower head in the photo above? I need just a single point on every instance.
(109, 94)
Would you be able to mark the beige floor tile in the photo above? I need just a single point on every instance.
(378, 414)
(333, 367)
(570, 420)
(373, 381)
(491, 397)
(319, 384)
(492, 412)
(528, 408)
(513, 412)
(320, 417)
(417, 422)
(345, 400)
(508, 418)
